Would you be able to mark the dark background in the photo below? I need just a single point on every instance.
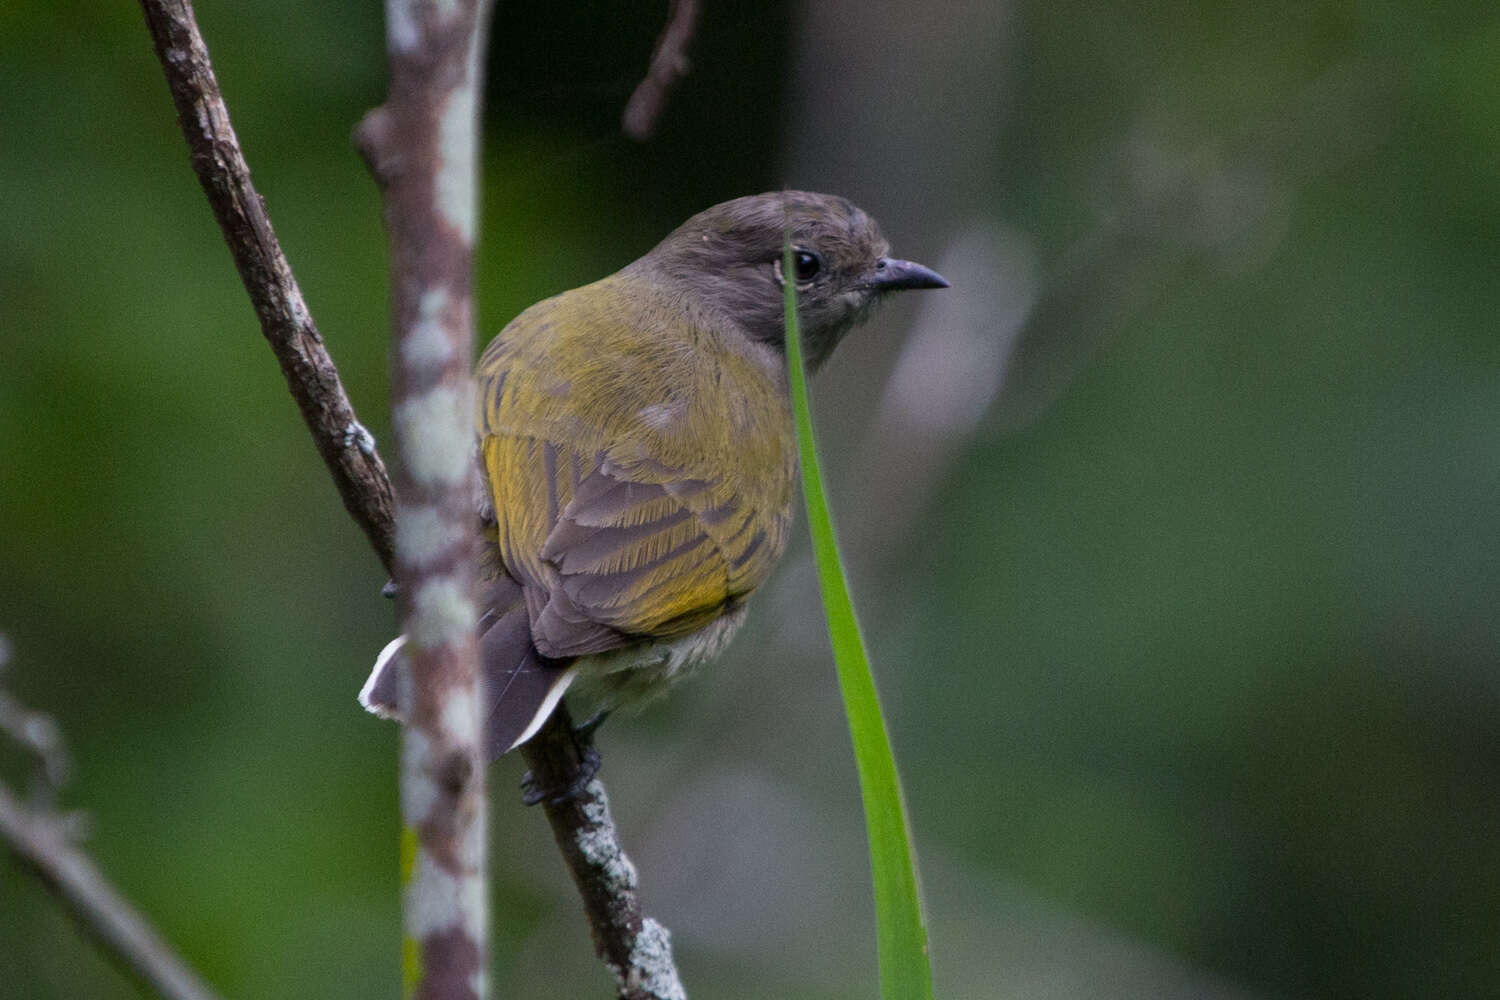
(1173, 524)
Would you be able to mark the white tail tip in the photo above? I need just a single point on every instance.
(378, 696)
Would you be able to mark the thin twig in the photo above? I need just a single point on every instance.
(636, 949)
(347, 448)
(669, 64)
(39, 735)
(42, 840)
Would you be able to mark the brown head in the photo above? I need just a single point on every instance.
(729, 258)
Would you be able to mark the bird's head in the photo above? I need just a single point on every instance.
(729, 258)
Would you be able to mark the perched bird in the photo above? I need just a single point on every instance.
(637, 450)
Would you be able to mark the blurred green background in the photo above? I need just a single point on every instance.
(1174, 524)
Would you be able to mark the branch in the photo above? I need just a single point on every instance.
(636, 949)
(423, 147)
(41, 840)
(347, 448)
(628, 942)
(41, 843)
(669, 64)
(39, 736)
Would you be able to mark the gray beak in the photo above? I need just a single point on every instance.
(891, 275)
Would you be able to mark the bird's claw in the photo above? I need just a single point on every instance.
(533, 792)
(583, 733)
(589, 761)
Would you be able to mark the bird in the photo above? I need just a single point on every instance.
(637, 454)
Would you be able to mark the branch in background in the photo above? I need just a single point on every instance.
(635, 948)
(669, 64)
(43, 841)
(346, 447)
(40, 737)
(423, 147)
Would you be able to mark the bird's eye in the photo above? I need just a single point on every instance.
(807, 264)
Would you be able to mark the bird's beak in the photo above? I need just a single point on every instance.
(891, 275)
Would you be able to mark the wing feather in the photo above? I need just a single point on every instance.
(615, 506)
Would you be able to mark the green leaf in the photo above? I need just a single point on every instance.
(901, 928)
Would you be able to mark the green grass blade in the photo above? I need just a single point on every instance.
(901, 928)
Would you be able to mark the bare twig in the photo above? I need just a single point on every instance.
(669, 64)
(41, 843)
(347, 448)
(37, 734)
(627, 942)
(635, 948)
(41, 839)
(423, 146)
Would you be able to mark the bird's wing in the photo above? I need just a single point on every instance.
(611, 552)
(642, 480)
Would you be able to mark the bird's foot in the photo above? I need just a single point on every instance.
(532, 790)
(583, 733)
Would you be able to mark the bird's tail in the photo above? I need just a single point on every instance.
(520, 686)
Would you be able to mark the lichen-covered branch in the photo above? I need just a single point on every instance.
(346, 447)
(669, 64)
(636, 949)
(423, 147)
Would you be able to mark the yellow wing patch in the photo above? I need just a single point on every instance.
(605, 559)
